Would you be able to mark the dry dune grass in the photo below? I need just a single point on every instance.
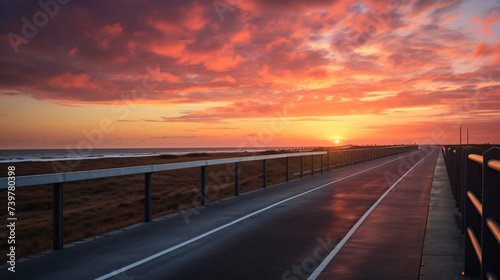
(93, 207)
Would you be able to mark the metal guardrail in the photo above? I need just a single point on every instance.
(335, 159)
(477, 176)
(494, 164)
(25, 181)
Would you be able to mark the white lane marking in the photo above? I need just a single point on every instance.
(166, 251)
(344, 240)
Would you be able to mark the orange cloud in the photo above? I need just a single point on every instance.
(189, 18)
(112, 30)
(240, 37)
(172, 49)
(225, 79)
(218, 60)
(70, 81)
(108, 33)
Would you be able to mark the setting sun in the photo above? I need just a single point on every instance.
(336, 141)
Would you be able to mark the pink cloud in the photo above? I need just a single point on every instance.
(189, 17)
(216, 60)
(228, 79)
(484, 49)
(422, 6)
(112, 30)
(241, 37)
(70, 81)
(485, 23)
(173, 49)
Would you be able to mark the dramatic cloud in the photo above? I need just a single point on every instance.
(224, 61)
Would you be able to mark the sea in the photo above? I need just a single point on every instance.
(66, 154)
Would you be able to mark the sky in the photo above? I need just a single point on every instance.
(247, 73)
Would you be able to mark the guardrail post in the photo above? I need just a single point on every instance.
(58, 216)
(236, 179)
(321, 164)
(491, 210)
(460, 176)
(453, 155)
(328, 154)
(287, 165)
(463, 197)
(457, 178)
(264, 173)
(449, 166)
(470, 215)
(203, 185)
(312, 165)
(456, 175)
(147, 197)
(446, 155)
(301, 166)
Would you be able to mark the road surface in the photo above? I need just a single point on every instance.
(365, 220)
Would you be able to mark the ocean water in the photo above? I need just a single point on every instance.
(63, 154)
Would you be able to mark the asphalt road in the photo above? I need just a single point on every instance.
(282, 232)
